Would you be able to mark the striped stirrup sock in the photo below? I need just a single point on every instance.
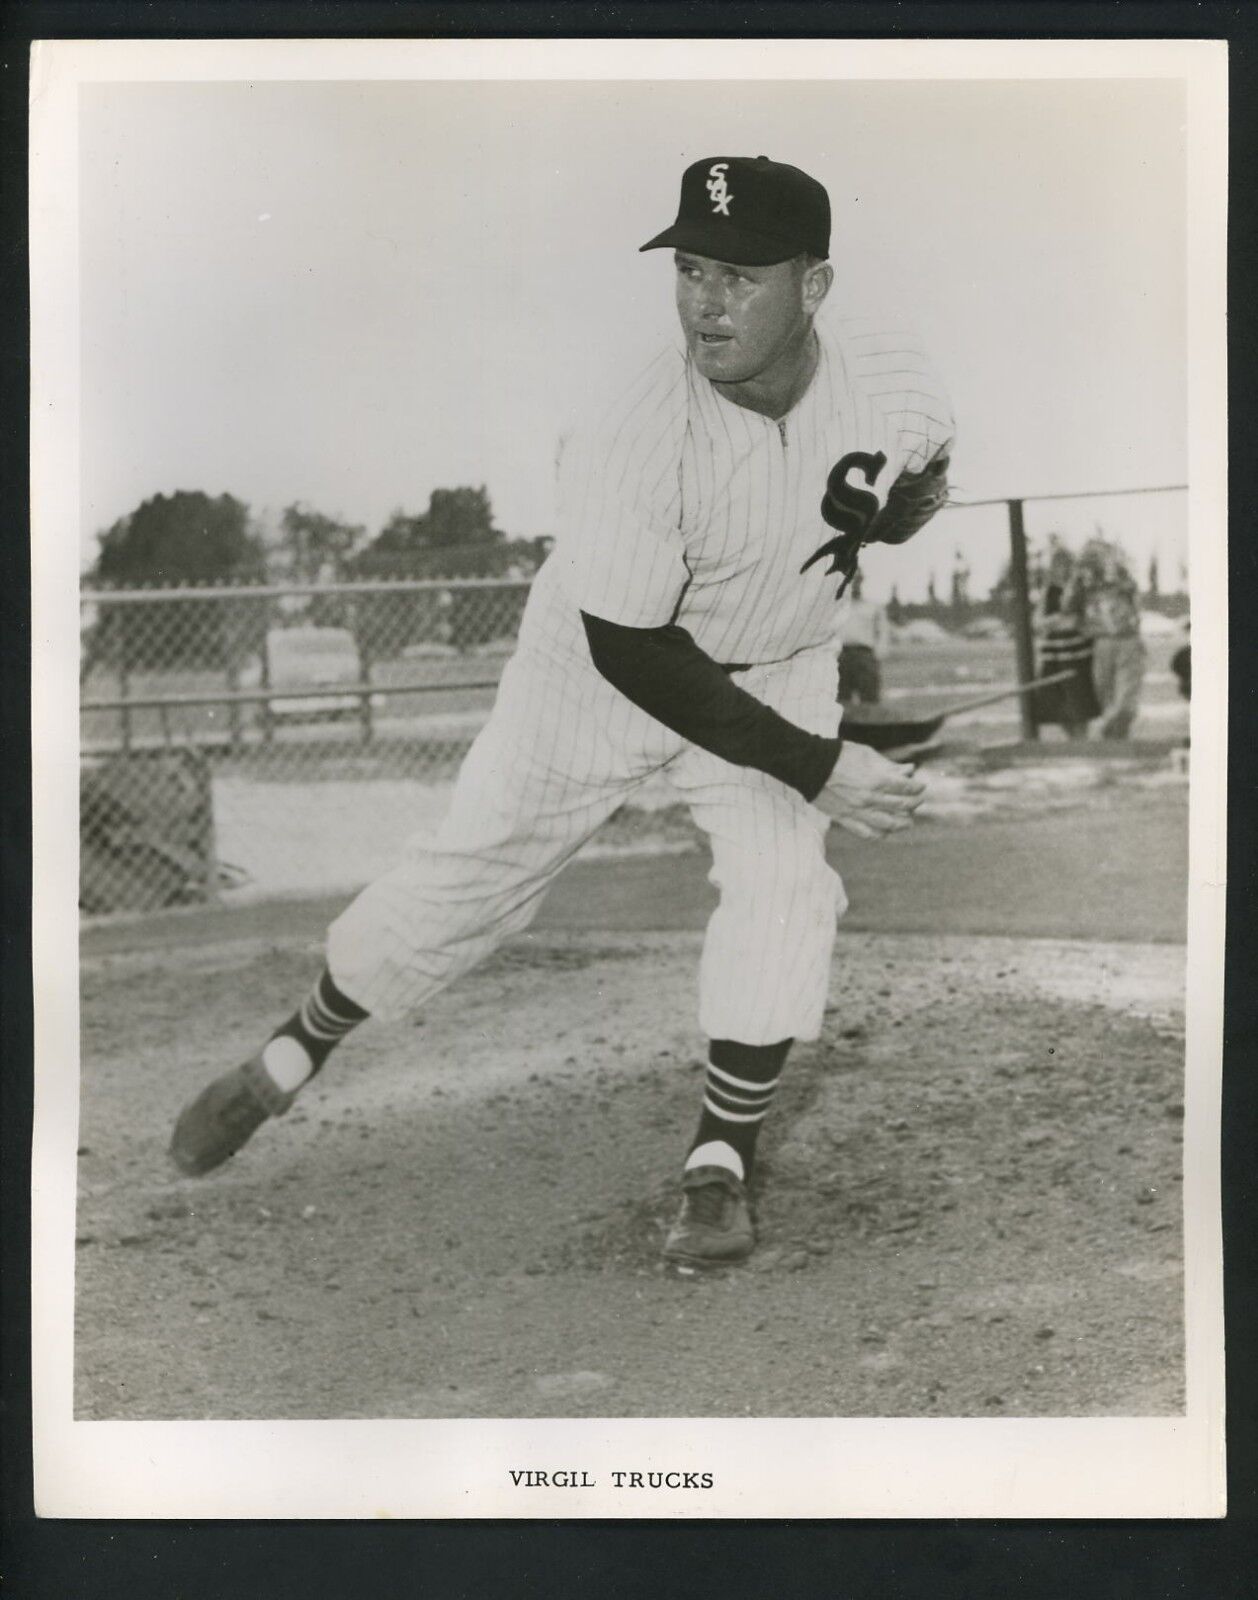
(741, 1082)
(322, 1020)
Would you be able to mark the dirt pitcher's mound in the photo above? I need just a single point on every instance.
(969, 1202)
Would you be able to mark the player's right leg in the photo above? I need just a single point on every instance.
(231, 1109)
(560, 752)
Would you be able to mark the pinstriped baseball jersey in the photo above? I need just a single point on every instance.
(680, 506)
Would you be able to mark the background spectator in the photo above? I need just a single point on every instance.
(1111, 616)
(866, 635)
(1064, 645)
(1181, 666)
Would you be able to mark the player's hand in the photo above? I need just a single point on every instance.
(869, 795)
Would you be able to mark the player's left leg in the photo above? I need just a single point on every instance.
(765, 970)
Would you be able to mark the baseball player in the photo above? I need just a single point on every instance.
(685, 624)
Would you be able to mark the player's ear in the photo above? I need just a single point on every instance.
(815, 286)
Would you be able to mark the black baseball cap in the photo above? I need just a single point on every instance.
(749, 211)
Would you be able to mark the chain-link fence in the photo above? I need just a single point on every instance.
(228, 733)
(287, 739)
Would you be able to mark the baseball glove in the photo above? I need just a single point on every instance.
(912, 501)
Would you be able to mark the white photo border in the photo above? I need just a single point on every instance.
(799, 1468)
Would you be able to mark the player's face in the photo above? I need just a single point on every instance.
(742, 321)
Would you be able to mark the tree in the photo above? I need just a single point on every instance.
(401, 538)
(316, 546)
(459, 517)
(455, 519)
(175, 540)
(454, 539)
(181, 538)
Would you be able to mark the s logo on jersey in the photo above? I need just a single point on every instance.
(850, 510)
(717, 188)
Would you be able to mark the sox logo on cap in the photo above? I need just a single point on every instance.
(718, 189)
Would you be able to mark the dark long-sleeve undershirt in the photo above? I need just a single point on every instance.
(665, 673)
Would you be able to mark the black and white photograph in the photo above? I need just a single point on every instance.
(628, 912)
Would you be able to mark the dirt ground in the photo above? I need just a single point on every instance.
(969, 1201)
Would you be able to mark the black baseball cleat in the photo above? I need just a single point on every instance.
(713, 1226)
(225, 1116)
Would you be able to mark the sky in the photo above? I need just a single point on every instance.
(351, 294)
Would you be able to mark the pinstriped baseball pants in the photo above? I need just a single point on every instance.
(561, 751)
